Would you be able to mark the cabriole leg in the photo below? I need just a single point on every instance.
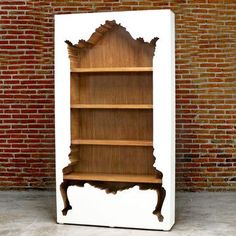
(161, 193)
(63, 187)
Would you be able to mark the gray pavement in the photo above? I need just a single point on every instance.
(32, 213)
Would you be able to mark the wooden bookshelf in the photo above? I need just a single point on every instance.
(112, 114)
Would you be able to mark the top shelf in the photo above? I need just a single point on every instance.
(112, 69)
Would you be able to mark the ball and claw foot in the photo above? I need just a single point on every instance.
(64, 211)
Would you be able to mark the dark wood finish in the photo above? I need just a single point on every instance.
(63, 187)
(161, 193)
(111, 114)
(113, 187)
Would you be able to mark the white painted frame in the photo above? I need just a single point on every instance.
(129, 208)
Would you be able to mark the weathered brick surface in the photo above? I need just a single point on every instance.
(205, 89)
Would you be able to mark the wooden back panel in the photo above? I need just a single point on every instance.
(115, 159)
(116, 48)
(111, 88)
(118, 124)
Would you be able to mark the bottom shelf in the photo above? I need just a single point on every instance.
(112, 177)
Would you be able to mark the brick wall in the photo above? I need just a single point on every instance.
(205, 89)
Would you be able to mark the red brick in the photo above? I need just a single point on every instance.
(205, 77)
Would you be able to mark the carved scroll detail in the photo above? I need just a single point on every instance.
(100, 32)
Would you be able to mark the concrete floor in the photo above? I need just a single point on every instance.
(32, 213)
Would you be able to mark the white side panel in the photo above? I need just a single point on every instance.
(164, 114)
(130, 208)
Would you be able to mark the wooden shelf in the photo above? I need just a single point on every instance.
(112, 106)
(112, 142)
(112, 69)
(112, 177)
